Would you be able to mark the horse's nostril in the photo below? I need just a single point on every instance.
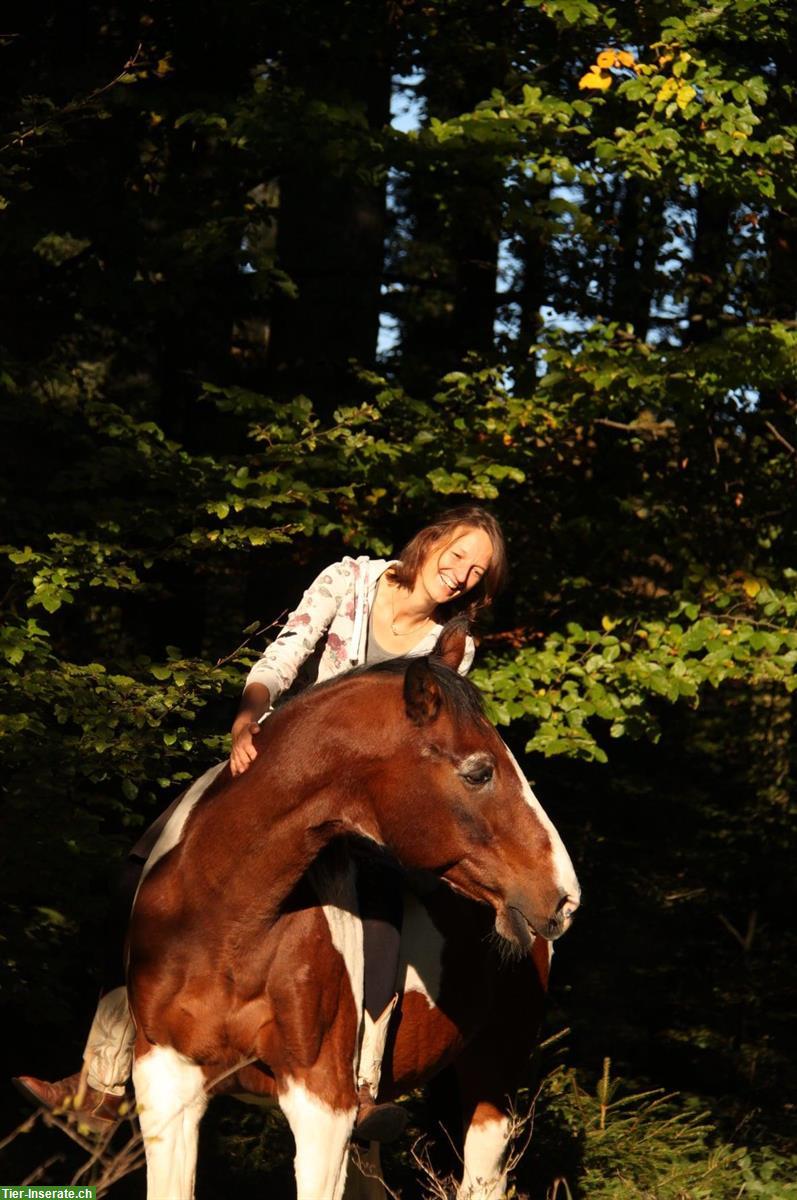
(566, 907)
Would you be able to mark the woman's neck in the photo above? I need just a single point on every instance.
(409, 609)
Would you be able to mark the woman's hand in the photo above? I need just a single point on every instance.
(244, 751)
(245, 728)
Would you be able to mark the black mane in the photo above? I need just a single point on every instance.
(462, 700)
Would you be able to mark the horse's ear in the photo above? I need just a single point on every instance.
(422, 697)
(451, 644)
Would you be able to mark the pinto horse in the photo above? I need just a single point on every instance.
(236, 982)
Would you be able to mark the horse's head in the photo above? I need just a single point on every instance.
(452, 800)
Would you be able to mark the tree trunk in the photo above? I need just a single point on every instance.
(330, 225)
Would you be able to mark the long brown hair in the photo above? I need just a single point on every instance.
(414, 554)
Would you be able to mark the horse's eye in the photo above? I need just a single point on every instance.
(478, 774)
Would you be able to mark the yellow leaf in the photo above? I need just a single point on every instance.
(625, 59)
(752, 587)
(164, 66)
(737, 133)
(667, 91)
(607, 58)
(664, 59)
(686, 95)
(595, 78)
(608, 624)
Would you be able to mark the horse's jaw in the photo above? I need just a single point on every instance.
(512, 927)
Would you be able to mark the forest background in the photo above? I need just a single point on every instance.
(281, 280)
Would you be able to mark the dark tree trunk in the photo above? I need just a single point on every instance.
(451, 310)
(640, 233)
(533, 288)
(709, 279)
(331, 220)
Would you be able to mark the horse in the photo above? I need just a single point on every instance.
(236, 983)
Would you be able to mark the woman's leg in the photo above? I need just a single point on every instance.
(99, 1087)
(380, 891)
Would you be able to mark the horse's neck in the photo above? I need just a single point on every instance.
(269, 825)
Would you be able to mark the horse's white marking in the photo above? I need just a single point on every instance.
(483, 1176)
(171, 1098)
(322, 1137)
(173, 829)
(421, 959)
(337, 891)
(564, 873)
(109, 1046)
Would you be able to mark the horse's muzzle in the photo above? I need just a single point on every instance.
(523, 927)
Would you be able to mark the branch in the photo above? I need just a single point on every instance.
(777, 434)
(253, 631)
(75, 105)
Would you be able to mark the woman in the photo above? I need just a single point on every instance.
(356, 613)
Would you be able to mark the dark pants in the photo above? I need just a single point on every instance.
(380, 891)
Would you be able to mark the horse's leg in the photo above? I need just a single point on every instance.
(322, 1134)
(319, 1012)
(171, 1099)
(486, 1143)
(491, 1069)
(487, 1082)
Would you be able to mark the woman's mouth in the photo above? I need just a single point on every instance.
(449, 583)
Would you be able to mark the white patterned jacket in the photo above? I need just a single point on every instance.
(326, 634)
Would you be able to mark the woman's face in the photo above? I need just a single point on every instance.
(456, 564)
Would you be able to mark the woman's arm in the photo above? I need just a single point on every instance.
(302, 631)
(276, 670)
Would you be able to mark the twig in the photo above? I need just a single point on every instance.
(253, 632)
(25, 1127)
(369, 1170)
(777, 434)
(39, 1171)
(75, 105)
(745, 940)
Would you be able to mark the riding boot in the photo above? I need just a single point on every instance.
(95, 1109)
(95, 1093)
(375, 1122)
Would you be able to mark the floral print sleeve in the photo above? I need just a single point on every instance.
(303, 630)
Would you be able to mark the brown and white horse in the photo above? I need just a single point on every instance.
(238, 980)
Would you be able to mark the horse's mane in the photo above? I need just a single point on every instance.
(461, 699)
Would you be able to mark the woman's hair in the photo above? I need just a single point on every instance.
(414, 554)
